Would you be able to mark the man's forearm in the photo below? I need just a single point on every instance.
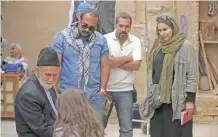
(105, 72)
(118, 61)
(131, 66)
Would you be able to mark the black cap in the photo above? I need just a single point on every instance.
(48, 57)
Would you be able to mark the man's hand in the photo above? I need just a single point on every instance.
(101, 93)
(190, 108)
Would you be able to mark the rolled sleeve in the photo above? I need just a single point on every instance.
(137, 50)
(58, 43)
(105, 50)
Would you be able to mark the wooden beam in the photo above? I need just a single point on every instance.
(210, 42)
(205, 61)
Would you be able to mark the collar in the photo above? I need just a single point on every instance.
(130, 39)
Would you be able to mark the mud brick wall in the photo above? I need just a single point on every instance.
(34, 25)
(207, 108)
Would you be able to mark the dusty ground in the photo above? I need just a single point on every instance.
(200, 130)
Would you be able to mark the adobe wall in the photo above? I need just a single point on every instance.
(34, 25)
(207, 104)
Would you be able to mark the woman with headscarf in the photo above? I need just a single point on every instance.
(76, 118)
(172, 64)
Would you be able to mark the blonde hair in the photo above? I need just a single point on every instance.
(76, 117)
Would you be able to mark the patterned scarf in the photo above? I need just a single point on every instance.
(82, 48)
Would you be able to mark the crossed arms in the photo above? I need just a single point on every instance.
(124, 62)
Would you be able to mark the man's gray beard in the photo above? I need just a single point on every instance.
(45, 85)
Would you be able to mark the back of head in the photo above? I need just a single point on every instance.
(76, 117)
(71, 98)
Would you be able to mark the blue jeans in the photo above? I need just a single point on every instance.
(124, 107)
(97, 102)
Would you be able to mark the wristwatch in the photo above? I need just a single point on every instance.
(102, 90)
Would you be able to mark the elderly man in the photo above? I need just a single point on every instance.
(16, 56)
(83, 55)
(35, 111)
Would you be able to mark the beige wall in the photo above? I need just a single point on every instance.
(33, 25)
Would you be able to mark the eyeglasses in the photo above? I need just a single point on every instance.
(162, 17)
(86, 26)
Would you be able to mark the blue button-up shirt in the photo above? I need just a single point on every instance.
(68, 75)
